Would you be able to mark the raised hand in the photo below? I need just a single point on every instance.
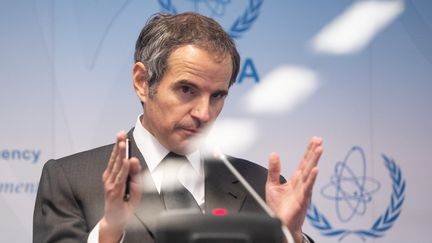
(118, 212)
(289, 201)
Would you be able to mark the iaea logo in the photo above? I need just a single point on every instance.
(218, 9)
(352, 190)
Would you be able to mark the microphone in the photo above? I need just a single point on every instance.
(218, 154)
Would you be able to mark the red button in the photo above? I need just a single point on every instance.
(219, 211)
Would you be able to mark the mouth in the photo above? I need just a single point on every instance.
(191, 131)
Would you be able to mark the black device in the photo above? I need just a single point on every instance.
(126, 195)
(207, 228)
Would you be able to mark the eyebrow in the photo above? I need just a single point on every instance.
(187, 82)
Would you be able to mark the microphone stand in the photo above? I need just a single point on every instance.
(252, 192)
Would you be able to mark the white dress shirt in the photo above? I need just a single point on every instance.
(192, 177)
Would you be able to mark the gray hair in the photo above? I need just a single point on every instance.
(164, 33)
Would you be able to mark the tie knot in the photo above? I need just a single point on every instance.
(174, 160)
(172, 164)
(172, 155)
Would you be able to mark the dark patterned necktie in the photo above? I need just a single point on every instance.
(174, 195)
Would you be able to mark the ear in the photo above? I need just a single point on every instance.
(140, 83)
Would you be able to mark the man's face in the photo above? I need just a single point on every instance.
(188, 98)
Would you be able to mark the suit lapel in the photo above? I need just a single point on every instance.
(222, 189)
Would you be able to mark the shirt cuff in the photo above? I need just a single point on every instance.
(94, 235)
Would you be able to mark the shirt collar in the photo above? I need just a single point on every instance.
(153, 152)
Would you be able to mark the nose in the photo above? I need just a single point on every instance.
(201, 110)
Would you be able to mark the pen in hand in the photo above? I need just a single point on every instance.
(126, 195)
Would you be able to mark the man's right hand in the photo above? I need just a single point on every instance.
(117, 211)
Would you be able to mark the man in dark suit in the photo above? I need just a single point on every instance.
(184, 66)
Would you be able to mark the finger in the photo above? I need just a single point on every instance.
(296, 178)
(119, 137)
(312, 156)
(135, 167)
(118, 162)
(313, 160)
(274, 169)
(303, 162)
(135, 173)
(120, 179)
(316, 156)
(112, 158)
(313, 144)
(106, 177)
(135, 182)
(310, 182)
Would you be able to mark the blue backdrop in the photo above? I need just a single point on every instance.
(357, 73)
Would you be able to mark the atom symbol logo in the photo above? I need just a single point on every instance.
(350, 191)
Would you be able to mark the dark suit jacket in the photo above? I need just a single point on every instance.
(70, 199)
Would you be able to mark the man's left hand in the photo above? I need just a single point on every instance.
(289, 201)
